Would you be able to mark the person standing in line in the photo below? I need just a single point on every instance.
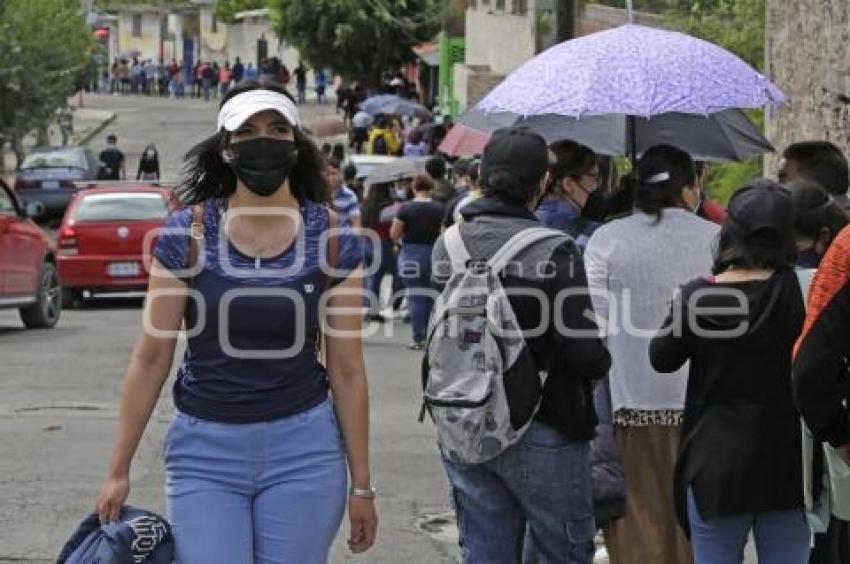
(634, 266)
(821, 162)
(574, 195)
(470, 193)
(207, 74)
(543, 481)
(149, 165)
(301, 83)
(258, 455)
(821, 236)
(739, 468)
(416, 227)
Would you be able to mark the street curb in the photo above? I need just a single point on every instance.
(90, 135)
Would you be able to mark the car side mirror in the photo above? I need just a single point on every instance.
(34, 210)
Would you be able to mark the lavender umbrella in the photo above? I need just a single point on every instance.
(632, 70)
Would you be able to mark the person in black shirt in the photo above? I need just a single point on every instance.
(112, 161)
(417, 226)
(149, 164)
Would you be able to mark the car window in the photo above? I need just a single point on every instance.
(120, 207)
(7, 206)
(56, 159)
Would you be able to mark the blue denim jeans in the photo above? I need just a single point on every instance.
(543, 481)
(264, 493)
(782, 537)
(385, 258)
(414, 269)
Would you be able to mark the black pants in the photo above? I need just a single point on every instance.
(833, 546)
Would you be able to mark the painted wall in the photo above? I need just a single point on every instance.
(147, 44)
(497, 38)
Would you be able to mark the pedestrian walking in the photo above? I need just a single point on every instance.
(470, 191)
(321, 85)
(301, 83)
(255, 457)
(225, 77)
(112, 161)
(416, 228)
(379, 209)
(444, 192)
(343, 199)
(65, 121)
(250, 72)
(238, 71)
(360, 123)
(818, 220)
(208, 74)
(739, 467)
(634, 266)
(821, 162)
(544, 477)
(149, 165)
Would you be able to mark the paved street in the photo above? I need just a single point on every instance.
(59, 390)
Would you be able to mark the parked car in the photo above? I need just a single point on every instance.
(50, 175)
(28, 276)
(100, 245)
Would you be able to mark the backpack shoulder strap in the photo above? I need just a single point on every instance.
(458, 253)
(521, 241)
(197, 234)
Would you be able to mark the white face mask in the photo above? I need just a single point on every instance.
(400, 194)
(151, 153)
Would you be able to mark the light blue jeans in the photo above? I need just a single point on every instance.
(782, 537)
(260, 493)
(544, 480)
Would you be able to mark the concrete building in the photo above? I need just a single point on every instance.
(503, 34)
(808, 58)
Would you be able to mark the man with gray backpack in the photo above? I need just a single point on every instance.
(511, 357)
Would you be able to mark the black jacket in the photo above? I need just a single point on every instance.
(573, 362)
(741, 442)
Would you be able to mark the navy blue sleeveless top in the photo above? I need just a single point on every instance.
(253, 324)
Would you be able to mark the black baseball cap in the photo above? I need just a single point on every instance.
(518, 152)
(762, 211)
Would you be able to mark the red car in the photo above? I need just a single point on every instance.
(101, 239)
(28, 279)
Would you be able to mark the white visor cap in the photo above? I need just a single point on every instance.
(241, 107)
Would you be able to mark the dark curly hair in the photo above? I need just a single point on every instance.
(206, 175)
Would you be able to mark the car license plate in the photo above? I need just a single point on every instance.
(50, 184)
(123, 269)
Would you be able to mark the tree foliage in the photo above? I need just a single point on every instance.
(45, 53)
(357, 38)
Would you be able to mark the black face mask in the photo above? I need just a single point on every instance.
(262, 164)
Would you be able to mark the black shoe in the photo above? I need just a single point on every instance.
(376, 317)
(418, 346)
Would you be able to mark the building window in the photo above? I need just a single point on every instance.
(500, 4)
(214, 24)
(519, 7)
(137, 25)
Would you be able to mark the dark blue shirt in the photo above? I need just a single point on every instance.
(253, 356)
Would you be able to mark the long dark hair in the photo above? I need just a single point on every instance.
(814, 210)
(206, 175)
(377, 198)
(663, 161)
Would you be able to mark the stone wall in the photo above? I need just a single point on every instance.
(809, 59)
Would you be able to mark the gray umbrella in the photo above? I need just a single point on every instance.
(723, 136)
(406, 167)
(402, 107)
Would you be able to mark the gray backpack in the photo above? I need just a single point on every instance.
(481, 384)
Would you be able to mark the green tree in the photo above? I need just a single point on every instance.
(736, 25)
(45, 54)
(357, 38)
